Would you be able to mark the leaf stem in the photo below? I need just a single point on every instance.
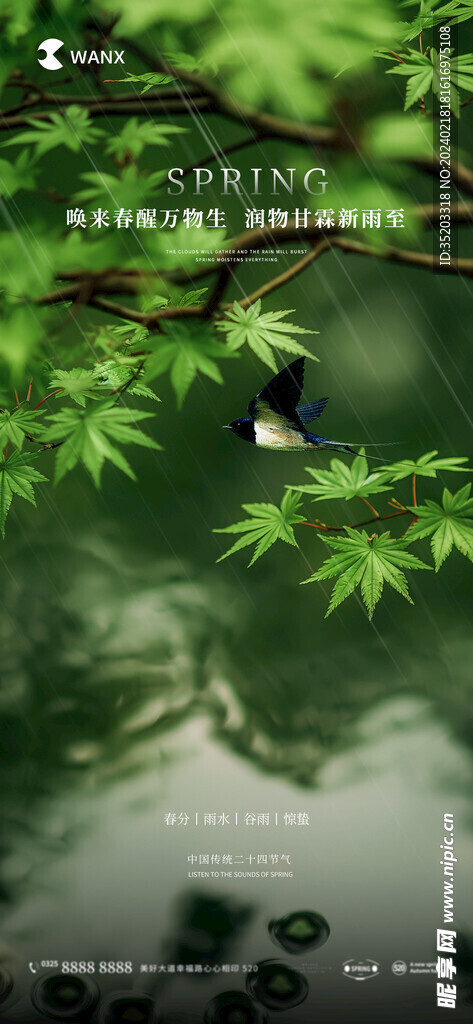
(414, 494)
(369, 505)
(422, 99)
(397, 57)
(56, 392)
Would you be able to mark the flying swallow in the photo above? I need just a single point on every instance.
(276, 421)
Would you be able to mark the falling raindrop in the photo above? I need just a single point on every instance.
(6, 984)
(64, 998)
(128, 1008)
(277, 986)
(300, 931)
(233, 1008)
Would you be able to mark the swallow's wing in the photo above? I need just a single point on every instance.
(307, 413)
(279, 398)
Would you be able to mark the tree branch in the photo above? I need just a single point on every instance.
(104, 106)
(354, 526)
(461, 176)
(151, 320)
(199, 94)
(264, 124)
(287, 275)
(243, 144)
(422, 260)
(99, 285)
(127, 282)
(268, 126)
(266, 237)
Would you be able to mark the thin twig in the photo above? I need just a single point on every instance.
(360, 496)
(43, 400)
(218, 291)
(131, 380)
(101, 107)
(397, 57)
(406, 257)
(355, 526)
(287, 275)
(252, 140)
(198, 94)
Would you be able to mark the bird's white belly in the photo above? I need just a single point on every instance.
(280, 438)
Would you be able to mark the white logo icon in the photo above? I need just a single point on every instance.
(360, 970)
(399, 967)
(50, 61)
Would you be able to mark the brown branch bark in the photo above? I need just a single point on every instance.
(224, 277)
(461, 176)
(127, 282)
(99, 285)
(265, 124)
(422, 260)
(355, 526)
(266, 237)
(198, 94)
(287, 275)
(101, 106)
(151, 320)
(218, 154)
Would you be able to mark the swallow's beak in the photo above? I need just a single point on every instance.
(226, 426)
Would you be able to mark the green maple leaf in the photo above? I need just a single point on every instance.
(26, 269)
(21, 338)
(423, 74)
(134, 136)
(266, 525)
(343, 480)
(434, 56)
(148, 80)
(17, 176)
(419, 71)
(262, 331)
(86, 435)
(14, 426)
(367, 562)
(127, 192)
(77, 384)
(192, 297)
(114, 375)
(455, 12)
(426, 465)
(127, 333)
(188, 62)
(461, 73)
(17, 476)
(186, 351)
(71, 128)
(428, 16)
(447, 525)
(149, 302)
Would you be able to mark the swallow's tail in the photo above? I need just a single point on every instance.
(339, 446)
